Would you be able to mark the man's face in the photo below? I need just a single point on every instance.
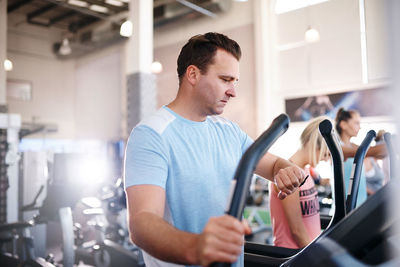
(217, 85)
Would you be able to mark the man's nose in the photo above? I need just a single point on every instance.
(231, 92)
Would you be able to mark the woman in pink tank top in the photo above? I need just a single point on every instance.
(295, 219)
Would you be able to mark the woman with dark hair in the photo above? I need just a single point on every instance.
(348, 126)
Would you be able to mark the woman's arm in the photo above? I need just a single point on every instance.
(378, 151)
(291, 207)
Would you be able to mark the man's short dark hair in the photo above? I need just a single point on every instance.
(201, 49)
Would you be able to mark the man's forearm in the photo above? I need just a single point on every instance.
(281, 163)
(269, 165)
(163, 241)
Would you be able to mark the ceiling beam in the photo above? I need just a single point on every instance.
(75, 26)
(158, 3)
(17, 5)
(62, 17)
(40, 11)
(197, 8)
(81, 10)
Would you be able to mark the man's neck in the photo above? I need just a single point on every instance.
(187, 109)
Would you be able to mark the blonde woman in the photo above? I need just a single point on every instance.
(296, 219)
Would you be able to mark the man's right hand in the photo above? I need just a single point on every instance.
(221, 240)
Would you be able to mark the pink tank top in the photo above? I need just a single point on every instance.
(309, 206)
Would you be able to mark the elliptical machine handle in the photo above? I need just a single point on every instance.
(354, 182)
(332, 141)
(247, 165)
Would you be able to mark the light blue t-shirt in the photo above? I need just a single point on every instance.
(362, 190)
(193, 161)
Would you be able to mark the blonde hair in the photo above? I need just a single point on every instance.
(312, 138)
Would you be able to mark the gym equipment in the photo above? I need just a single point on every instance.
(264, 255)
(111, 246)
(247, 165)
(363, 238)
(366, 225)
(22, 247)
(354, 182)
(332, 141)
(360, 239)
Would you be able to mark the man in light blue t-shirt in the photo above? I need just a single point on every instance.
(179, 164)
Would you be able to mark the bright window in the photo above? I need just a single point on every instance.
(283, 6)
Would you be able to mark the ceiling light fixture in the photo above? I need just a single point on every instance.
(78, 3)
(311, 35)
(156, 67)
(114, 2)
(8, 65)
(65, 49)
(97, 8)
(126, 29)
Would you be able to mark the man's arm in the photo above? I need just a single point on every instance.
(286, 175)
(221, 239)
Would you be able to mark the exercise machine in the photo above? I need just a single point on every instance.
(111, 246)
(369, 215)
(17, 244)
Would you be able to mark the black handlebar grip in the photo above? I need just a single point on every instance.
(332, 141)
(354, 182)
(249, 160)
(247, 165)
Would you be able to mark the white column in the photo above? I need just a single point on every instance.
(141, 83)
(3, 50)
(268, 100)
(140, 44)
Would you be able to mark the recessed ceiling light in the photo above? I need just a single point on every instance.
(97, 8)
(78, 3)
(114, 2)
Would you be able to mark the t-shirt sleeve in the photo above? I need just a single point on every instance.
(244, 139)
(146, 160)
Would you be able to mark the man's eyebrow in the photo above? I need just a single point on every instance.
(228, 77)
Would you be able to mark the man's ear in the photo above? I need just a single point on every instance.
(192, 74)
